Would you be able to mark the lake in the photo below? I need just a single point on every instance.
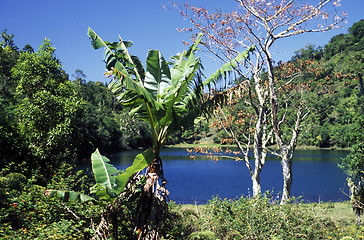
(316, 176)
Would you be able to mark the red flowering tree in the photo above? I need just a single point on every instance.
(261, 23)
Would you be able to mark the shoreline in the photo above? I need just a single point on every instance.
(192, 145)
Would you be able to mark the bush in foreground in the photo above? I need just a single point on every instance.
(257, 218)
(27, 213)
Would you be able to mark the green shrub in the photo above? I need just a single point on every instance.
(179, 222)
(349, 232)
(260, 218)
(15, 181)
(203, 235)
(63, 229)
(27, 213)
(68, 177)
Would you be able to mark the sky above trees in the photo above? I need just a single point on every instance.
(150, 24)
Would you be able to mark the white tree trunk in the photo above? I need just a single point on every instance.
(286, 161)
(257, 190)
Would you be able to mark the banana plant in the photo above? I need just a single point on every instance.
(166, 98)
(167, 95)
(109, 181)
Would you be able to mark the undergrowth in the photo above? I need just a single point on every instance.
(257, 218)
(27, 213)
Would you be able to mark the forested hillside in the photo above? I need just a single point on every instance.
(328, 81)
(336, 96)
(47, 119)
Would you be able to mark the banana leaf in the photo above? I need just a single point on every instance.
(104, 172)
(141, 161)
(68, 196)
(158, 76)
(228, 67)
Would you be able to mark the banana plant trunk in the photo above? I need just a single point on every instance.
(153, 204)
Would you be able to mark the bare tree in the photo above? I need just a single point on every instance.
(249, 129)
(261, 23)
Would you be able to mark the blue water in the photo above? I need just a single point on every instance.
(316, 176)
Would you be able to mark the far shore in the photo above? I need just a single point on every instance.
(211, 145)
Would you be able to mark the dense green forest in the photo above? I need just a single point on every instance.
(50, 121)
(46, 118)
(336, 91)
(329, 82)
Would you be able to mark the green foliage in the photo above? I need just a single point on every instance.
(203, 235)
(347, 238)
(255, 218)
(15, 181)
(39, 113)
(308, 53)
(261, 218)
(39, 71)
(119, 203)
(161, 100)
(26, 212)
(105, 124)
(180, 222)
(167, 98)
(69, 196)
(331, 86)
(345, 43)
(353, 167)
(63, 229)
(29, 206)
(103, 171)
(8, 58)
(7, 40)
(46, 120)
(109, 182)
(30, 213)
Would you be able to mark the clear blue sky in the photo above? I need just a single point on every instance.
(145, 22)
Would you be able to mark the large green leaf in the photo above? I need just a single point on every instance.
(158, 76)
(103, 171)
(109, 56)
(139, 66)
(184, 72)
(141, 161)
(103, 192)
(228, 67)
(106, 174)
(69, 196)
(96, 41)
(186, 63)
(124, 79)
